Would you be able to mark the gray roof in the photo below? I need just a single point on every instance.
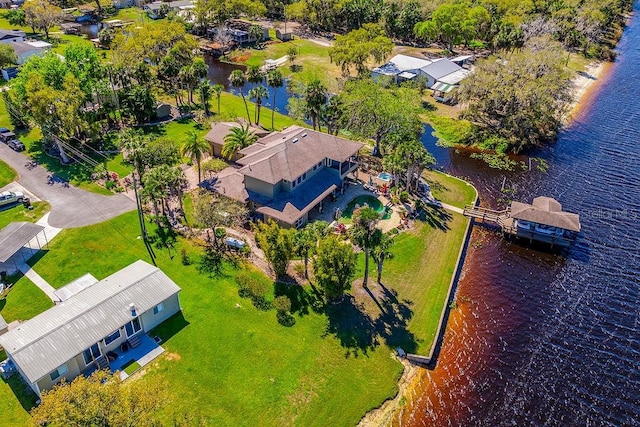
(40, 345)
(291, 206)
(14, 236)
(440, 68)
(3, 323)
(9, 34)
(288, 154)
(546, 211)
(23, 47)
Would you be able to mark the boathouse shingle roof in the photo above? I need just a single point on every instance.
(547, 211)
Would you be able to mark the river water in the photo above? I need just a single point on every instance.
(540, 338)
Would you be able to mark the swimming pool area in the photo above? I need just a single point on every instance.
(367, 200)
(385, 176)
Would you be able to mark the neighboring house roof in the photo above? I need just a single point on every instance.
(290, 206)
(23, 47)
(39, 44)
(14, 236)
(287, 155)
(440, 68)
(11, 34)
(172, 4)
(400, 63)
(547, 211)
(40, 345)
(221, 129)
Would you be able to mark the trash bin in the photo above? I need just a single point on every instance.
(26, 202)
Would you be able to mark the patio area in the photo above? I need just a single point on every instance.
(352, 191)
(142, 355)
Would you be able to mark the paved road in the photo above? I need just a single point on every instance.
(70, 206)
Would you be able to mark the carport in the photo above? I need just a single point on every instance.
(17, 235)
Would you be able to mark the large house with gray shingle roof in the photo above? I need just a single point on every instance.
(286, 174)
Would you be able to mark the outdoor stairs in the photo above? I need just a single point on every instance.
(134, 341)
(102, 363)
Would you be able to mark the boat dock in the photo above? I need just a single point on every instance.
(542, 221)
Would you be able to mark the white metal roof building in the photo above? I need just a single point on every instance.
(54, 337)
(404, 67)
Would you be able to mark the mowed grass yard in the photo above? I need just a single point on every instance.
(7, 174)
(233, 364)
(415, 281)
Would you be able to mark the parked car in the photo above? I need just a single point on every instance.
(16, 145)
(7, 136)
(9, 197)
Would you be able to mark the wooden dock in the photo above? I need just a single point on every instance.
(510, 227)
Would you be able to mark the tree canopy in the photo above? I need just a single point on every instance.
(334, 267)
(518, 101)
(359, 46)
(100, 399)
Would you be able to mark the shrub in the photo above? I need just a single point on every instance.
(253, 287)
(220, 233)
(404, 196)
(299, 269)
(110, 185)
(282, 304)
(184, 257)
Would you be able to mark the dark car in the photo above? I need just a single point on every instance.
(16, 145)
(7, 136)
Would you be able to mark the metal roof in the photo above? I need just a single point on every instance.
(72, 288)
(14, 236)
(443, 87)
(440, 68)
(3, 323)
(40, 345)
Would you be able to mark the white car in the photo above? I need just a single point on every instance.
(9, 197)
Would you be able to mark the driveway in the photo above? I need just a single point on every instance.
(70, 206)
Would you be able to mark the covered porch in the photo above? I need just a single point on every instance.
(139, 351)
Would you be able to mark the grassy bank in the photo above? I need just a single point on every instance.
(450, 190)
(7, 174)
(415, 281)
(312, 60)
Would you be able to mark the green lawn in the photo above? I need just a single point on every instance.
(449, 189)
(312, 61)
(7, 174)
(24, 301)
(19, 213)
(416, 280)
(238, 365)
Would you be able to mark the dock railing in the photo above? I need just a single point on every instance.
(484, 214)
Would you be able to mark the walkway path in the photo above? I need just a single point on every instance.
(39, 282)
(70, 206)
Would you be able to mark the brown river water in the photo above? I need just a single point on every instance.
(551, 339)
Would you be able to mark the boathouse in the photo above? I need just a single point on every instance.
(543, 221)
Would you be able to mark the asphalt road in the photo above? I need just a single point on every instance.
(70, 206)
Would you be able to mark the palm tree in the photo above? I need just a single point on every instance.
(258, 93)
(238, 80)
(238, 138)
(315, 97)
(254, 75)
(275, 80)
(365, 234)
(217, 91)
(205, 91)
(382, 252)
(195, 147)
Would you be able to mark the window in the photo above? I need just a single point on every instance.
(62, 369)
(133, 327)
(158, 308)
(293, 184)
(299, 222)
(304, 175)
(299, 180)
(111, 338)
(91, 354)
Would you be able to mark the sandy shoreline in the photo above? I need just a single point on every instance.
(584, 84)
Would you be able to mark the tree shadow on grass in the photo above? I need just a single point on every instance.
(302, 298)
(353, 326)
(359, 332)
(436, 217)
(22, 391)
